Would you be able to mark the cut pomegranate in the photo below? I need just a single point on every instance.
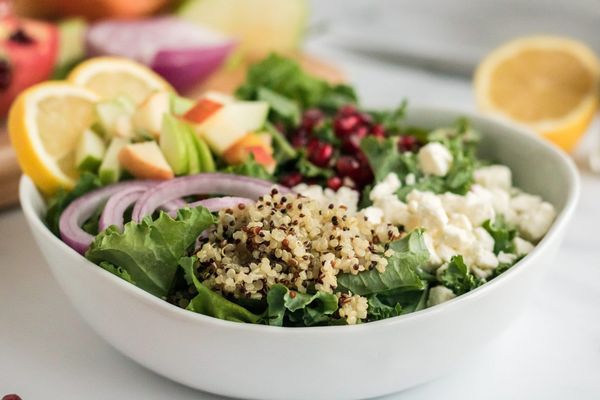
(334, 183)
(291, 180)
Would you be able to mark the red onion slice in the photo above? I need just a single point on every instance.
(182, 52)
(81, 209)
(216, 204)
(173, 205)
(213, 183)
(119, 202)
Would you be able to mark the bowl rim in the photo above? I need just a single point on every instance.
(27, 192)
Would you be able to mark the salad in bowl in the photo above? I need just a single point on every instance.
(287, 204)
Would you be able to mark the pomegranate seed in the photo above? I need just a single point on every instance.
(334, 183)
(362, 130)
(299, 139)
(348, 166)
(365, 117)
(378, 130)
(347, 110)
(343, 126)
(351, 144)
(291, 180)
(11, 397)
(407, 143)
(312, 117)
(321, 155)
(313, 145)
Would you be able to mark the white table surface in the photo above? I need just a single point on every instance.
(47, 352)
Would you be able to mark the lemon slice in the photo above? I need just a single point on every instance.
(547, 83)
(45, 123)
(110, 77)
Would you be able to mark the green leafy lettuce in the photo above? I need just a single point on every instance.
(211, 303)
(150, 251)
(250, 168)
(457, 278)
(285, 78)
(409, 253)
(503, 234)
(293, 307)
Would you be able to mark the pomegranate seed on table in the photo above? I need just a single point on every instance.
(291, 180)
(334, 183)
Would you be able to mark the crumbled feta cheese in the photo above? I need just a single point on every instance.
(457, 238)
(410, 179)
(374, 214)
(506, 258)
(460, 221)
(431, 212)
(523, 246)
(389, 185)
(435, 159)
(439, 295)
(534, 223)
(494, 177)
(486, 240)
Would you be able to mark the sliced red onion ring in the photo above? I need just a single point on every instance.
(81, 209)
(216, 204)
(213, 183)
(119, 202)
(173, 205)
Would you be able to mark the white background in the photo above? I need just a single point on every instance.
(552, 352)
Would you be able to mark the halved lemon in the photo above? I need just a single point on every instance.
(545, 82)
(45, 122)
(110, 77)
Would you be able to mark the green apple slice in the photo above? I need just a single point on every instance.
(250, 115)
(173, 144)
(181, 105)
(207, 162)
(89, 152)
(108, 112)
(194, 157)
(110, 170)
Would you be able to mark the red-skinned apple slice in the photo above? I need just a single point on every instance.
(203, 111)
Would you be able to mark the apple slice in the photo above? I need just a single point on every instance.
(190, 142)
(221, 134)
(89, 152)
(149, 114)
(203, 112)
(261, 156)
(174, 145)
(181, 105)
(108, 112)
(250, 115)
(238, 153)
(110, 169)
(207, 162)
(145, 161)
(218, 97)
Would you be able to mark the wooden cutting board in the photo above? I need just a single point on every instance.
(224, 81)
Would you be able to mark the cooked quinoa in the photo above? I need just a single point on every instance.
(291, 240)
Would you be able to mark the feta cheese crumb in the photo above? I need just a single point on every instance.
(439, 295)
(435, 159)
(494, 177)
(410, 179)
(389, 185)
(506, 258)
(523, 246)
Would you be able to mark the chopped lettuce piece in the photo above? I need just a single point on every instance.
(409, 253)
(250, 168)
(150, 251)
(311, 309)
(457, 278)
(503, 234)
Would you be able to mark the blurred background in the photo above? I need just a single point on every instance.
(389, 49)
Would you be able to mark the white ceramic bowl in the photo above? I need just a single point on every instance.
(339, 362)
